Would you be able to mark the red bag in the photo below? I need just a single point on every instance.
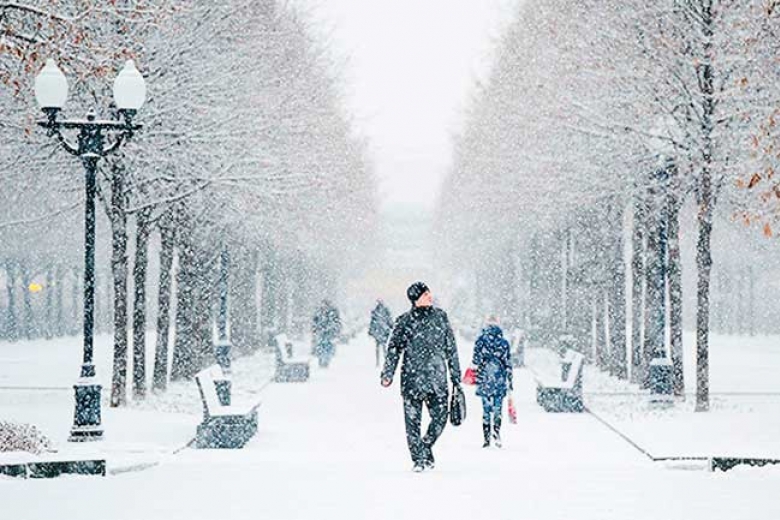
(470, 377)
(512, 411)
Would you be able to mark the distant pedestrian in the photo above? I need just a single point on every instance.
(492, 362)
(380, 328)
(326, 327)
(425, 338)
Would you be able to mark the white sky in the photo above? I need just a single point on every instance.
(411, 66)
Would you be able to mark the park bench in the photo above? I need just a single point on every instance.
(289, 368)
(564, 394)
(224, 425)
(52, 466)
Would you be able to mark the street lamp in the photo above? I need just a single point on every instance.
(51, 92)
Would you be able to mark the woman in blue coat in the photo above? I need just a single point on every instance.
(494, 376)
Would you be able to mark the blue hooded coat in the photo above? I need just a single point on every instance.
(493, 362)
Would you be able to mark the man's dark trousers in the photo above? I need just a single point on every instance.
(420, 447)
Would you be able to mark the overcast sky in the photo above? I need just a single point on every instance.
(412, 64)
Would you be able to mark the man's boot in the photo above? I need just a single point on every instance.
(486, 432)
(497, 432)
(429, 462)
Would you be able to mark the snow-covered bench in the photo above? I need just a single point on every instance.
(26, 465)
(564, 394)
(224, 425)
(289, 368)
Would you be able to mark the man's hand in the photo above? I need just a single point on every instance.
(386, 382)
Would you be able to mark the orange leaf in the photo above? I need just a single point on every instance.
(767, 230)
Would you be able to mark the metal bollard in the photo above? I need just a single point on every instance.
(661, 380)
(223, 385)
(222, 355)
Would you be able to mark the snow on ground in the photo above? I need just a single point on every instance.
(744, 417)
(36, 379)
(334, 448)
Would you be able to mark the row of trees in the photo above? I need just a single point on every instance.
(600, 124)
(245, 149)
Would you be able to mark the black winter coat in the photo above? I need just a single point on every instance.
(326, 324)
(493, 362)
(425, 338)
(381, 323)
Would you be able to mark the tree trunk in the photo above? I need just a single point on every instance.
(739, 303)
(534, 292)
(601, 346)
(704, 268)
(731, 308)
(283, 298)
(27, 321)
(139, 302)
(268, 295)
(301, 290)
(119, 270)
(580, 316)
(507, 296)
(655, 277)
(243, 305)
(108, 307)
(204, 310)
(556, 277)
(674, 203)
(637, 286)
(565, 281)
(192, 348)
(182, 365)
(522, 288)
(167, 243)
(75, 298)
(706, 203)
(59, 316)
(48, 326)
(12, 325)
(616, 301)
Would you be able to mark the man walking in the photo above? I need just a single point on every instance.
(325, 328)
(380, 328)
(425, 338)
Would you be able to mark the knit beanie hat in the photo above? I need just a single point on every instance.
(416, 290)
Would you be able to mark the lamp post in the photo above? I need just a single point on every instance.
(51, 92)
(222, 346)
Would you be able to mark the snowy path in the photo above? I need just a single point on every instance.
(335, 448)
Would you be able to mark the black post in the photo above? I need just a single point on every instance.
(90, 149)
(223, 294)
(90, 163)
(223, 346)
(86, 420)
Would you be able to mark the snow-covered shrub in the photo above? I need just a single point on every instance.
(22, 437)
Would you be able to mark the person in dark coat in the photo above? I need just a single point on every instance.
(492, 361)
(326, 327)
(380, 328)
(424, 337)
